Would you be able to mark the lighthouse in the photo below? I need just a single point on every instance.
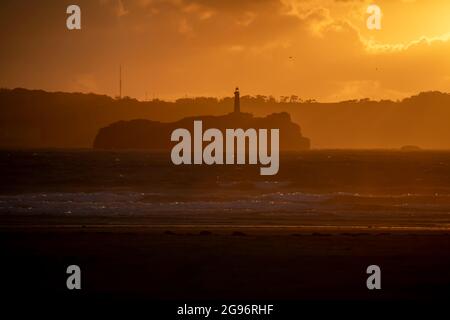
(237, 103)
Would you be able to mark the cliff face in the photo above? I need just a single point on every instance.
(154, 135)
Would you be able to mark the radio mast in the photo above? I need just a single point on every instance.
(120, 81)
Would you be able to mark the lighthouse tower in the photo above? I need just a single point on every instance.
(237, 102)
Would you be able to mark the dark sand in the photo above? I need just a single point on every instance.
(183, 262)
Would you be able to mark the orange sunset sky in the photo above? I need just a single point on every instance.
(319, 49)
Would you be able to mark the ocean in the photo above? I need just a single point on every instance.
(325, 187)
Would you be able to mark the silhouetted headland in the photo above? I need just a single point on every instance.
(39, 119)
(155, 135)
(145, 134)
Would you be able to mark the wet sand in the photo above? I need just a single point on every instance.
(130, 259)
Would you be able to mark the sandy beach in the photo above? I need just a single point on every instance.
(179, 262)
